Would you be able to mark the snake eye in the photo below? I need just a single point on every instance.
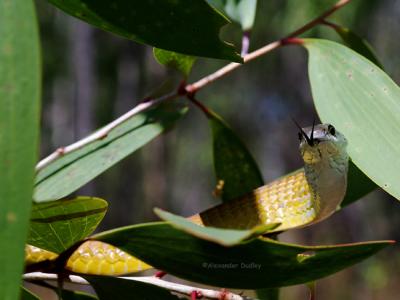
(331, 129)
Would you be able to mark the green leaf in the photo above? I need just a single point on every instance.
(56, 226)
(241, 11)
(71, 171)
(224, 237)
(233, 163)
(363, 103)
(121, 289)
(20, 82)
(358, 44)
(180, 62)
(259, 263)
(188, 27)
(27, 294)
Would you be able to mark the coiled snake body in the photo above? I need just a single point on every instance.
(299, 199)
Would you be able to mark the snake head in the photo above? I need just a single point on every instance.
(319, 143)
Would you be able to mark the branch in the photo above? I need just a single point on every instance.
(174, 287)
(103, 132)
(189, 89)
(319, 19)
(194, 87)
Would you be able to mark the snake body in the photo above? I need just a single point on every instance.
(296, 200)
(299, 199)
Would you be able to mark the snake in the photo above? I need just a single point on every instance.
(299, 199)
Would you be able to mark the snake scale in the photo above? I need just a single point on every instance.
(296, 200)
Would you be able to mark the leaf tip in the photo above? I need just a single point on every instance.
(158, 211)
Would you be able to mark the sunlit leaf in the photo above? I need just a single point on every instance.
(188, 27)
(224, 237)
(20, 84)
(364, 104)
(57, 225)
(259, 263)
(71, 171)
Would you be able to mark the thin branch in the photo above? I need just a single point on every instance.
(103, 132)
(319, 19)
(189, 89)
(174, 287)
(194, 87)
(200, 105)
(330, 24)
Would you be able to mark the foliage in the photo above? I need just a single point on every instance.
(367, 96)
(56, 226)
(188, 28)
(349, 89)
(19, 132)
(82, 164)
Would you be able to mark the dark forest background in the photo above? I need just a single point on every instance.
(91, 77)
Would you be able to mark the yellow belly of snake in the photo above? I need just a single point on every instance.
(92, 257)
(287, 200)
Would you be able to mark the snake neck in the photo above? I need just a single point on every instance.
(328, 181)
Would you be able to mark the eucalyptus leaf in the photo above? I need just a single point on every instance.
(240, 171)
(20, 86)
(121, 289)
(57, 225)
(71, 171)
(188, 27)
(224, 237)
(258, 263)
(180, 62)
(233, 163)
(364, 104)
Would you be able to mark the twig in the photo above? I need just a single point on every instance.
(194, 87)
(189, 89)
(330, 24)
(103, 132)
(174, 287)
(319, 19)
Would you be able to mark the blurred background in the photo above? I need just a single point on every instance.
(91, 77)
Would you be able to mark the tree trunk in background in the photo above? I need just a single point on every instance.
(84, 78)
